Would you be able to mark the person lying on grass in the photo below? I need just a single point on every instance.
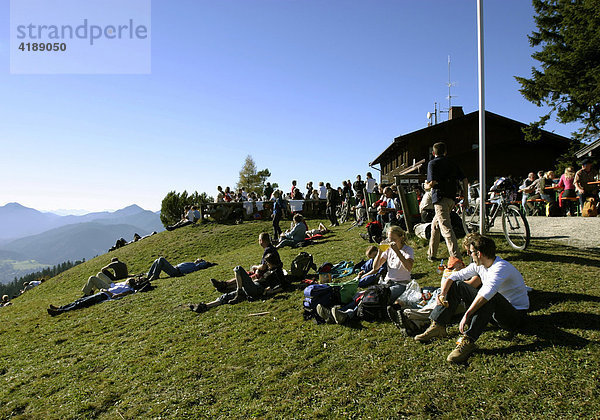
(181, 269)
(500, 293)
(246, 288)
(322, 230)
(256, 271)
(116, 291)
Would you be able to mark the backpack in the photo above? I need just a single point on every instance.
(373, 306)
(589, 208)
(301, 265)
(374, 231)
(319, 294)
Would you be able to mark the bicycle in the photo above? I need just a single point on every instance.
(343, 210)
(514, 223)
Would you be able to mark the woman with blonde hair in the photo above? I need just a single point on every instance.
(567, 184)
(400, 259)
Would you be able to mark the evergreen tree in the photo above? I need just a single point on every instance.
(251, 179)
(172, 206)
(568, 80)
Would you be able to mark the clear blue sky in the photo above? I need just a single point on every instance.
(312, 89)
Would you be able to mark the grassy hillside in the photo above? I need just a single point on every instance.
(148, 356)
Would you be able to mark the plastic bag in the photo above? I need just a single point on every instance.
(411, 296)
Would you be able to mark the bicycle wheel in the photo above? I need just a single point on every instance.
(515, 227)
(470, 218)
(344, 213)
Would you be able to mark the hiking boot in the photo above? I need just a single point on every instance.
(53, 312)
(435, 330)
(464, 347)
(199, 308)
(239, 297)
(339, 316)
(395, 317)
(325, 314)
(219, 285)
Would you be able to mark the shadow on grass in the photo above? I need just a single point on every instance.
(588, 257)
(540, 299)
(547, 329)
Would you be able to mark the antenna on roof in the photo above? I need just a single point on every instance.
(450, 84)
(433, 117)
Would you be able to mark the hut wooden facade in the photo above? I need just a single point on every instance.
(507, 151)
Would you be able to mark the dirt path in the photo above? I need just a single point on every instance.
(581, 232)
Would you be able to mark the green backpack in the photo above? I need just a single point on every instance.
(301, 265)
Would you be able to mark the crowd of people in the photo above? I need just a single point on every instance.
(348, 189)
(489, 288)
(561, 192)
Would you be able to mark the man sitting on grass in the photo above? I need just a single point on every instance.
(256, 271)
(296, 234)
(500, 294)
(161, 264)
(246, 288)
(105, 278)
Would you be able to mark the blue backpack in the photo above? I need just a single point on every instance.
(323, 294)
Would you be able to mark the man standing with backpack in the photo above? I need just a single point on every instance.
(442, 177)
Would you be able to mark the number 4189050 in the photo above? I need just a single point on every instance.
(34, 46)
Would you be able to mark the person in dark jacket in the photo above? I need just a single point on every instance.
(333, 199)
(443, 176)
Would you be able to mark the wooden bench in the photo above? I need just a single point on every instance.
(576, 201)
(538, 205)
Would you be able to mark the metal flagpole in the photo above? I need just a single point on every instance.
(482, 186)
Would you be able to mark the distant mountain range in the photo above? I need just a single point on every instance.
(28, 234)
(17, 221)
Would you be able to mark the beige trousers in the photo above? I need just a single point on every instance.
(441, 224)
(97, 282)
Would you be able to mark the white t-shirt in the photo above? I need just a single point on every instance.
(502, 277)
(116, 288)
(397, 273)
(370, 184)
(322, 192)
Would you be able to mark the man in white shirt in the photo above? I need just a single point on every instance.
(322, 191)
(499, 293)
(370, 183)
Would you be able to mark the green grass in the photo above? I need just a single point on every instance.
(147, 356)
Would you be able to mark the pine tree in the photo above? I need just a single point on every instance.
(251, 179)
(568, 80)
